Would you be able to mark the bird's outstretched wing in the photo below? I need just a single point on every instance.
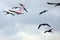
(9, 13)
(12, 11)
(48, 25)
(23, 7)
(51, 3)
(15, 12)
(43, 25)
(12, 14)
(58, 4)
(43, 12)
(45, 31)
(39, 26)
(50, 30)
(15, 7)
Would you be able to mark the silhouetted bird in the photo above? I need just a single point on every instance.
(43, 12)
(51, 3)
(8, 13)
(44, 24)
(23, 7)
(50, 30)
(15, 12)
(56, 4)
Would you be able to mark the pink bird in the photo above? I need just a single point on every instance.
(23, 7)
(19, 12)
(20, 9)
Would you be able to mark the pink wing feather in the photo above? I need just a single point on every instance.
(20, 9)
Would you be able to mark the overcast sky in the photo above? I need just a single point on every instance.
(25, 27)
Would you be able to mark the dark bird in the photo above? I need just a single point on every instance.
(15, 12)
(23, 7)
(51, 3)
(50, 30)
(56, 4)
(8, 13)
(43, 12)
(44, 24)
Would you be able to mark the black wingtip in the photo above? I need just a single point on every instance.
(20, 4)
(48, 3)
(39, 13)
(45, 32)
(38, 28)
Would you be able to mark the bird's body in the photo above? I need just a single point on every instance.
(15, 12)
(22, 6)
(43, 12)
(44, 24)
(8, 13)
(50, 30)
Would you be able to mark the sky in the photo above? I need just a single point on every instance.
(25, 27)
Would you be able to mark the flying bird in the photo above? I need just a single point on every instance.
(23, 7)
(17, 7)
(9, 13)
(50, 30)
(44, 24)
(51, 3)
(56, 4)
(15, 12)
(20, 7)
(43, 12)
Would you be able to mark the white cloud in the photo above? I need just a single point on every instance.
(47, 36)
(21, 35)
